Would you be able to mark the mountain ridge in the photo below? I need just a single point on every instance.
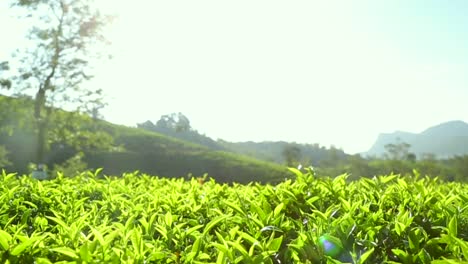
(444, 140)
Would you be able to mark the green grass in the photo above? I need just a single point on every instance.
(138, 218)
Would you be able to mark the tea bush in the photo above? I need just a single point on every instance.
(139, 218)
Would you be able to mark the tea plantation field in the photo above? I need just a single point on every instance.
(138, 218)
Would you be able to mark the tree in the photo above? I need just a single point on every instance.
(55, 68)
(147, 125)
(3, 157)
(177, 125)
(460, 166)
(411, 157)
(399, 151)
(358, 167)
(177, 122)
(291, 154)
(429, 165)
(174, 122)
(4, 83)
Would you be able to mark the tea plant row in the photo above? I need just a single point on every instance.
(137, 218)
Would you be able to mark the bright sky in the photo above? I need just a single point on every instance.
(328, 72)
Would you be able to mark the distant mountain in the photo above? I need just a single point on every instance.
(443, 140)
(448, 129)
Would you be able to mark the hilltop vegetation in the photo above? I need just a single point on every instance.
(285, 152)
(146, 219)
(177, 125)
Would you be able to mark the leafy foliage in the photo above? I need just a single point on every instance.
(139, 218)
(306, 154)
(4, 157)
(56, 64)
(177, 125)
(292, 155)
(68, 134)
(71, 166)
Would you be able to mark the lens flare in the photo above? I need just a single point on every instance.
(331, 245)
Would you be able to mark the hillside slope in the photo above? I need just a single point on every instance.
(270, 151)
(145, 151)
(151, 152)
(444, 140)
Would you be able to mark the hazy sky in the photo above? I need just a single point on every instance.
(328, 72)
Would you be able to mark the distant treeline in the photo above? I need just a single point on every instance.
(327, 161)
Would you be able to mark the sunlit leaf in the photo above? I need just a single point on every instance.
(5, 239)
(66, 251)
(366, 255)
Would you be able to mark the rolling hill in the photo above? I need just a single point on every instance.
(270, 151)
(135, 149)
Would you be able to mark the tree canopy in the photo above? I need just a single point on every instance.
(64, 38)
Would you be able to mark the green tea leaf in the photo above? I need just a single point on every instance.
(278, 210)
(414, 240)
(296, 172)
(239, 248)
(275, 244)
(42, 261)
(400, 253)
(168, 219)
(212, 224)
(464, 247)
(22, 247)
(5, 239)
(59, 221)
(98, 236)
(66, 251)
(366, 255)
(452, 226)
(424, 256)
(448, 261)
(235, 207)
(196, 245)
(249, 238)
(84, 253)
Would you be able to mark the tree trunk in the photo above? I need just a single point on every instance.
(41, 142)
(41, 123)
